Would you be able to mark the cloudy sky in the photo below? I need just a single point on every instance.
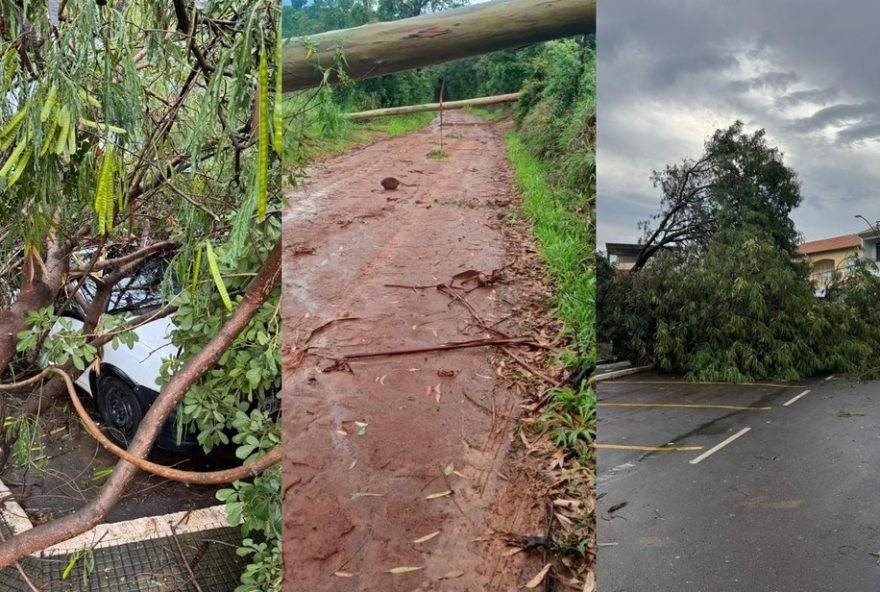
(670, 72)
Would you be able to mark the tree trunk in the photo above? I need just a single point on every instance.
(494, 100)
(40, 282)
(377, 49)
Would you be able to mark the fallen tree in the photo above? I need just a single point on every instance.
(96, 511)
(495, 100)
(128, 135)
(383, 48)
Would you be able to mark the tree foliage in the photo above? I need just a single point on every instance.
(738, 181)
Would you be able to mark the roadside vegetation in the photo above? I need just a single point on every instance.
(132, 133)
(553, 156)
(719, 293)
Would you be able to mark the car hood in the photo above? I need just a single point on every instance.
(156, 336)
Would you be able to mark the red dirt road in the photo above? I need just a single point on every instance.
(365, 450)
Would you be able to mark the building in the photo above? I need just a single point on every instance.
(870, 244)
(623, 255)
(833, 254)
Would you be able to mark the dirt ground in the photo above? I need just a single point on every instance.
(404, 472)
(75, 472)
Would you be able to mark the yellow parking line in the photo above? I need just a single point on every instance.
(768, 384)
(683, 406)
(650, 448)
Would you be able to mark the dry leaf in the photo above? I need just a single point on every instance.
(404, 569)
(426, 538)
(536, 581)
(590, 582)
(451, 575)
(428, 391)
(513, 551)
(343, 574)
(439, 494)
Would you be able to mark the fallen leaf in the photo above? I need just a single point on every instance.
(590, 582)
(426, 538)
(439, 494)
(404, 569)
(342, 432)
(451, 575)
(450, 468)
(513, 551)
(343, 574)
(428, 391)
(446, 373)
(359, 494)
(539, 577)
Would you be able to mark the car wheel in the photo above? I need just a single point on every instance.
(120, 409)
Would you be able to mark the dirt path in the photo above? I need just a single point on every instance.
(366, 449)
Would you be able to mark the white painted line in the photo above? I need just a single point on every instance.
(718, 447)
(830, 377)
(793, 399)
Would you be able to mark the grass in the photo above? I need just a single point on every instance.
(562, 232)
(437, 154)
(315, 128)
(567, 422)
(490, 115)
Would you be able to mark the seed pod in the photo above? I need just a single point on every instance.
(218, 279)
(20, 166)
(13, 158)
(195, 277)
(263, 138)
(278, 122)
(64, 124)
(71, 138)
(49, 104)
(50, 135)
(13, 122)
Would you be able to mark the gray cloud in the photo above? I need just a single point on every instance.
(835, 115)
(778, 81)
(670, 72)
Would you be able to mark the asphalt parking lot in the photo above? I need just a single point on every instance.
(728, 488)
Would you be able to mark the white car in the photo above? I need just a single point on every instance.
(125, 385)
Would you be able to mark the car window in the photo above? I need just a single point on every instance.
(140, 292)
(136, 294)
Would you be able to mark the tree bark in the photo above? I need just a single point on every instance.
(493, 100)
(40, 282)
(96, 510)
(377, 49)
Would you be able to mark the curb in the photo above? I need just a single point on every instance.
(618, 373)
(118, 533)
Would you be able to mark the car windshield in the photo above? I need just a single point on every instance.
(136, 294)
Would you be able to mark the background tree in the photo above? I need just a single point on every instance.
(739, 181)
